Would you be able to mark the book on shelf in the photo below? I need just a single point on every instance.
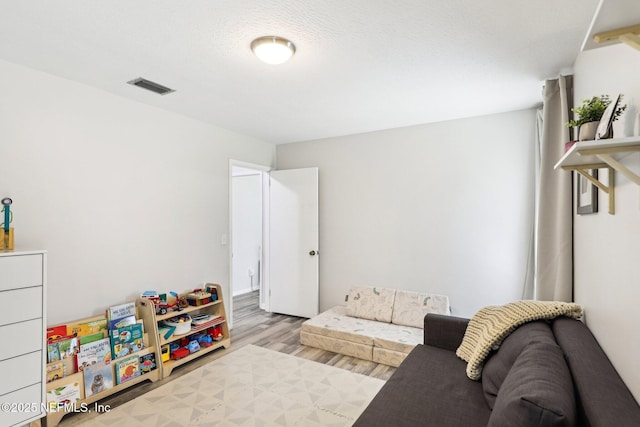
(87, 358)
(56, 371)
(87, 328)
(147, 363)
(127, 369)
(53, 352)
(94, 352)
(97, 378)
(56, 332)
(126, 340)
(119, 323)
(67, 393)
(121, 315)
(121, 310)
(62, 348)
(85, 339)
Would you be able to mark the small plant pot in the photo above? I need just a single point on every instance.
(587, 131)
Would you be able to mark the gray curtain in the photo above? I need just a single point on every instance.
(554, 227)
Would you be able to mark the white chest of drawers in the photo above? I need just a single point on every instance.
(23, 298)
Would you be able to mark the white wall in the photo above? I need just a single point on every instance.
(247, 232)
(443, 207)
(125, 197)
(607, 248)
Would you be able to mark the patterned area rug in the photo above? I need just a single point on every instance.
(252, 386)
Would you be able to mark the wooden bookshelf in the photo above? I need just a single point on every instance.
(153, 322)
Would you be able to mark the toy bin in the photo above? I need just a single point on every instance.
(182, 324)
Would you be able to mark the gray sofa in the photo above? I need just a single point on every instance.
(545, 373)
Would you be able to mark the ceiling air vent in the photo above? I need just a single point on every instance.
(152, 86)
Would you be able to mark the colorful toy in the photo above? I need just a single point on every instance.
(161, 301)
(179, 353)
(198, 297)
(164, 350)
(193, 346)
(216, 333)
(205, 340)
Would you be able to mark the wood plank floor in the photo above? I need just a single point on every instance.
(254, 326)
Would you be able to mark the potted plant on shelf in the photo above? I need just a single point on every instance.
(589, 114)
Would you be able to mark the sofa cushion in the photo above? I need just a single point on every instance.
(602, 397)
(500, 362)
(537, 391)
(336, 345)
(334, 323)
(388, 357)
(429, 388)
(409, 308)
(398, 338)
(371, 303)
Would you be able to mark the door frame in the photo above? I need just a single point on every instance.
(264, 256)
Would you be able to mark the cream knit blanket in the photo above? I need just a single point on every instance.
(491, 325)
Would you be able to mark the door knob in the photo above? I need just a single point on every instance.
(312, 253)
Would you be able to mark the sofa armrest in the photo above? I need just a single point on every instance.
(444, 331)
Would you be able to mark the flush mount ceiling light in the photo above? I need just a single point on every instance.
(273, 49)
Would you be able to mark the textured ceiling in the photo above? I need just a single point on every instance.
(360, 65)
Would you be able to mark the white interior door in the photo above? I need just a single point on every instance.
(293, 241)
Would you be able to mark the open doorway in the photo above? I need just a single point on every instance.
(247, 226)
(281, 274)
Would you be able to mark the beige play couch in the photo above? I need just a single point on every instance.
(378, 324)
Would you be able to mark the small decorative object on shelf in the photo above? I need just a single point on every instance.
(588, 117)
(7, 231)
(198, 297)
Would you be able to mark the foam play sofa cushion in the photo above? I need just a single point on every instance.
(409, 308)
(371, 303)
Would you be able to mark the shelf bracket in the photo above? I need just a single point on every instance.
(627, 35)
(608, 189)
(613, 163)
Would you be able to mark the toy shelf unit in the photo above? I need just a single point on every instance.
(602, 154)
(23, 291)
(74, 385)
(176, 345)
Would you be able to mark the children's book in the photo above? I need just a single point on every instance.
(68, 347)
(85, 339)
(122, 310)
(56, 332)
(97, 378)
(119, 323)
(87, 358)
(147, 363)
(126, 340)
(87, 328)
(94, 352)
(53, 352)
(121, 315)
(55, 371)
(68, 393)
(127, 369)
